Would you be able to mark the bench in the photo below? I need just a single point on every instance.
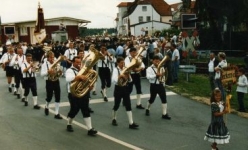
(187, 69)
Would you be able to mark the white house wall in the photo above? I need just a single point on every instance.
(136, 30)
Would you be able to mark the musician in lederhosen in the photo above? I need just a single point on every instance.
(52, 85)
(76, 103)
(104, 72)
(156, 87)
(9, 67)
(122, 92)
(17, 62)
(135, 74)
(29, 80)
(70, 53)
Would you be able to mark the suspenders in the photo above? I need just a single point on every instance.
(27, 73)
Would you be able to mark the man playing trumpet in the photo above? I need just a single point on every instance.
(51, 86)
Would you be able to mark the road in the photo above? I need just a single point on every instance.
(23, 128)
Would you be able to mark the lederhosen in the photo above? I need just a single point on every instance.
(136, 81)
(77, 104)
(52, 86)
(157, 88)
(29, 82)
(9, 69)
(18, 73)
(104, 74)
(119, 93)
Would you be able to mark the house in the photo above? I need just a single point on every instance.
(143, 17)
(23, 31)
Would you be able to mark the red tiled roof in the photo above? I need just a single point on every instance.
(124, 4)
(175, 6)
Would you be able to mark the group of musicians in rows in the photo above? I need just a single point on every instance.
(24, 70)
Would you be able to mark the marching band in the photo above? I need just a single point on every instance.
(110, 67)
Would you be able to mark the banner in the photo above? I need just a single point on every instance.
(40, 31)
(229, 75)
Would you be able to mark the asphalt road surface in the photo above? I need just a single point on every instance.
(23, 128)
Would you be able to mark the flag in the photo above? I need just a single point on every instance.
(40, 31)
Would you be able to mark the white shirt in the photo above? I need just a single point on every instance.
(17, 64)
(9, 57)
(116, 73)
(70, 75)
(174, 54)
(242, 84)
(151, 75)
(30, 72)
(211, 65)
(70, 53)
(221, 65)
(104, 63)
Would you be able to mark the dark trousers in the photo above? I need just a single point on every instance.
(30, 83)
(211, 80)
(53, 87)
(104, 74)
(18, 78)
(157, 89)
(137, 82)
(240, 97)
(121, 92)
(77, 104)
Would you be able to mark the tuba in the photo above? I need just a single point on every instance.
(79, 88)
(136, 62)
(162, 79)
(56, 67)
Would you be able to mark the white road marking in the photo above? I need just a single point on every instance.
(100, 100)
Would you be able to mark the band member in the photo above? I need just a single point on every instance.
(76, 103)
(122, 92)
(156, 87)
(70, 54)
(135, 74)
(51, 86)
(104, 72)
(9, 67)
(17, 62)
(29, 80)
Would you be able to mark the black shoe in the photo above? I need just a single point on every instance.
(166, 117)
(92, 132)
(58, 116)
(36, 107)
(18, 96)
(140, 106)
(94, 93)
(69, 128)
(10, 89)
(105, 99)
(90, 110)
(147, 112)
(114, 122)
(23, 99)
(133, 126)
(15, 93)
(46, 111)
(25, 103)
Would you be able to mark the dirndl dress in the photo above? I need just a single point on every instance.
(217, 131)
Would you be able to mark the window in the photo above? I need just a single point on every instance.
(140, 18)
(148, 18)
(144, 8)
(24, 31)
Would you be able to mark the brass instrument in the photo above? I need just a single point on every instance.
(56, 67)
(163, 78)
(136, 62)
(79, 88)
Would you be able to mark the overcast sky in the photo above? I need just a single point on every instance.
(101, 13)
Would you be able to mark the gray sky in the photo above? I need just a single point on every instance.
(101, 13)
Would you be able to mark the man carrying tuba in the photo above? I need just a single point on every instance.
(122, 92)
(51, 72)
(78, 103)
